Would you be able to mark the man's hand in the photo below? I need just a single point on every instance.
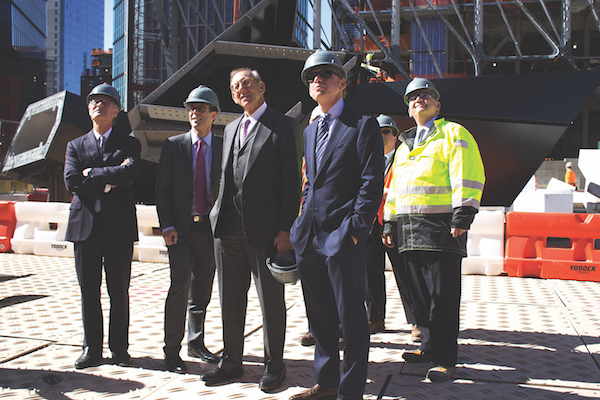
(456, 232)
(126, 161)
(355, 240)
(388, 240)
(86, 171)
(170, 236)
(282, 242)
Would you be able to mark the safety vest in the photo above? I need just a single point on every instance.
(442, 173)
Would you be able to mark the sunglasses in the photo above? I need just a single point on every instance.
(324, 74)
(422, 95)
(388, 131)
(201, 108)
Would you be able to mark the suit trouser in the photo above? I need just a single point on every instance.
(435, 281)
(192, 275)
(101, 249)
(376, 291)
(236, 263)
(334, 287)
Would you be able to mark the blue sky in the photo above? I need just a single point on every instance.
(108, 23)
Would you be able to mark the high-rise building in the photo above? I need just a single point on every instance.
(75, 27)
(150, 45)
(23, 66)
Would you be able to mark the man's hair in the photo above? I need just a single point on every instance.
(253, 73)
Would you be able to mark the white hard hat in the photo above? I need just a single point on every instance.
(569, 164)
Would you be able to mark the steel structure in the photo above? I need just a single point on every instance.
(481, 32)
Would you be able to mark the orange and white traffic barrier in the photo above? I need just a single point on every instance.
(553, 245)
(151, 246)
(485, 244)
(41, 228)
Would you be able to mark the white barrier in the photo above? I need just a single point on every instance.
(151, 247)
(485, 244)
(41, 229)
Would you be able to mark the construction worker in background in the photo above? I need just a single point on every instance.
(433, 197)
(570, 176)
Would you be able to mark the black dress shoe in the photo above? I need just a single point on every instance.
(417, 356)
(220, 375)
(88, 358)
(175, 363)
(203, 354)
(317, 393)
(271, 381)
(121, 358)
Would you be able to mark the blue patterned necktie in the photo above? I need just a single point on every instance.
(322, 138)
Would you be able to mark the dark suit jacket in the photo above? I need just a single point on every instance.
(118, 206)
(272, 180)
(343, 196)
(175, 181)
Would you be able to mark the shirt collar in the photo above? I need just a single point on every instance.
(106, 134)
(257, 114)
(207, 139)
(336, 110)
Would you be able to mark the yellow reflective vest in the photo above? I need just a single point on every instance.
(442, 173)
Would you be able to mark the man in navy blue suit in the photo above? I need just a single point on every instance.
(100, 167)
(344, 161)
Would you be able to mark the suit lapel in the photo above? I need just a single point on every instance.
(261, 136)
(309, 145)
(228, 140)
(334, 137)
(185, 147)
(89, 141)
(215, 168)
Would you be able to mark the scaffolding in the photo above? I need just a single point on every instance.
(446, 38)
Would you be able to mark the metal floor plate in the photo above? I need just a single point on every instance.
(520, 338)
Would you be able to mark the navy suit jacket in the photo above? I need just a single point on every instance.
(342, 197)
(272, 180)
(175, 182)
(118, 206)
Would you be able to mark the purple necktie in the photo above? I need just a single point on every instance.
(200, 180)
(244, 132)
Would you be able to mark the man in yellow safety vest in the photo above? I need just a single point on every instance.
(434, 195)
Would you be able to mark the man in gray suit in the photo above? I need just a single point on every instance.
(258, 201)
(187, 183)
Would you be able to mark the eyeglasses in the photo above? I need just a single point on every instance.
(98, 101)
(388, 131)
(422, 95)
(201, 108)
(323, 73)
(243, 84)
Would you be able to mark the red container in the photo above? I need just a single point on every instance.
(8, 222)
(553, 245)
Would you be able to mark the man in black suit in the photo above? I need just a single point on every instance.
(100, 167)
(344, 162)
(187, 183)
(258, 201)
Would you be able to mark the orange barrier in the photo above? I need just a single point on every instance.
(553, 245)
(8, 221)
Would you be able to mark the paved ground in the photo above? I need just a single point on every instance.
(520, 338)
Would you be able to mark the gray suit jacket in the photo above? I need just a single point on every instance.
(272, 179)
(175, 181)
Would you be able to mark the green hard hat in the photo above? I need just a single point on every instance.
(203, 94)
(387, 122)
(105, 89)
(419, 84)
(322, 58)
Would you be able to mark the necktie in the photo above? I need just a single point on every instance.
(322, 138)
(420, 136)
(244, 131)
(200, 179)
(101, 140)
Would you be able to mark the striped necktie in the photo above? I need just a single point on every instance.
(322, 138)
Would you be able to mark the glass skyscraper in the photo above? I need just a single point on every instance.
(75, 27)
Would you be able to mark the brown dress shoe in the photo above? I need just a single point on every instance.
(317, 393)
(307, 340)
(416, 334)
(376, 326)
